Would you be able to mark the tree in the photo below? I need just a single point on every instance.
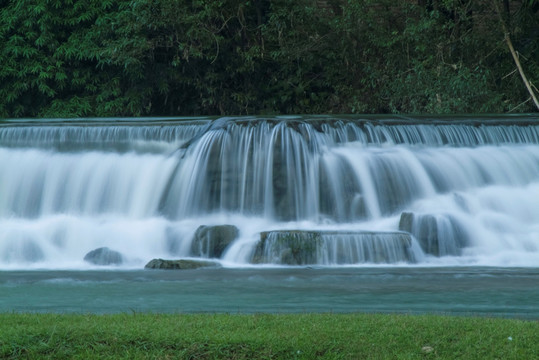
(64, 58)
(514, 54)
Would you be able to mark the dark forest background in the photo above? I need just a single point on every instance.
(212, 57)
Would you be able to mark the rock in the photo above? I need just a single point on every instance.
(437, 235)
(182, 264)
(406, 222)
(104, 256)
(300, 247)
(287, 247)
(211, 241)
(424, 228)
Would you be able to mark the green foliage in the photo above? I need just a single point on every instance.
(63, 58)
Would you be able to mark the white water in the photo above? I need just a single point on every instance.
(66, 190)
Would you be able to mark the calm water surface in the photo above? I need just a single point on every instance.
(507, 292)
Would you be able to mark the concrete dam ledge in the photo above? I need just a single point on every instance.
(376, 119)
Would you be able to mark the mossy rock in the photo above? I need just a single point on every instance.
(303, 247)
(104, 256)
(181, 264)
(437, 234)
(211, 241)
(288, 247)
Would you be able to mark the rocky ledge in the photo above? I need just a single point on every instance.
(300, 247)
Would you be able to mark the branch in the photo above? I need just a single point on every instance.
(514, 54)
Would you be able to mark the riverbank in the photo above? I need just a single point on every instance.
(264, 336)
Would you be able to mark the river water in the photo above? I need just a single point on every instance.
(476, 291)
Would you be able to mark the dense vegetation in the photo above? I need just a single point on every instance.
(263, 336)
(70, 58)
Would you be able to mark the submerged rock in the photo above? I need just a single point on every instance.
(437, 235)
(300, 247)
(25, 250)
(173, 240)
(104, 256)
(211, 241)
(182, 264)
(406, 222)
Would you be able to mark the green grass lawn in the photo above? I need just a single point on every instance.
(265, 336)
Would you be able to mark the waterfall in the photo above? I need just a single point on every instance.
(459, 191)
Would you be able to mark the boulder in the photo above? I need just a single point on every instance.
(104, 256)
(300, 247)
(211, 241)
(437, 234)
(182, 264)
(406, 222)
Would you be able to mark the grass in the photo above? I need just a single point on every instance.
(265, 336)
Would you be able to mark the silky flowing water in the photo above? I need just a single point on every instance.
(331, 214)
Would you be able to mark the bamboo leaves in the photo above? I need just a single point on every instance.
(183, 57)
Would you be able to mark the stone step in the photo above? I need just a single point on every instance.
(437, 234)
(305, 247)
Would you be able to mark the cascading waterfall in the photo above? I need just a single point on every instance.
(339, 191)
